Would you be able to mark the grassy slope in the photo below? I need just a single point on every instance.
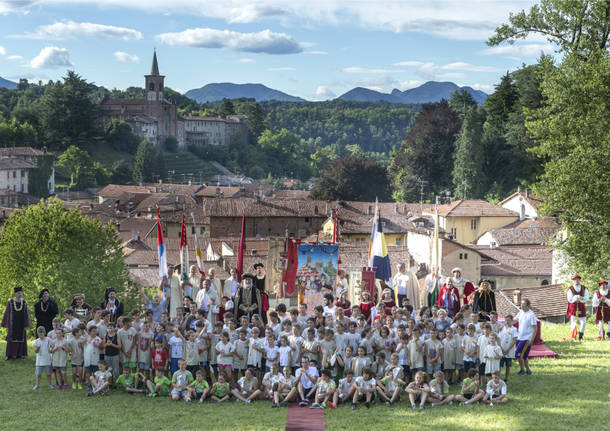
(187, 163)
(568, 393)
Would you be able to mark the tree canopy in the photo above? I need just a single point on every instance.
(47, 246)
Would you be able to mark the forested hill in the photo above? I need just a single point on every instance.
(373, 127)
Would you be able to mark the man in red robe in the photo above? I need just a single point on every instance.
(577, 294)
(449, 298)
(464, 287)
(601, 303)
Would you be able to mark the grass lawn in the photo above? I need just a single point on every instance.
(569, 393)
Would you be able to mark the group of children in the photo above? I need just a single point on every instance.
(319, 360)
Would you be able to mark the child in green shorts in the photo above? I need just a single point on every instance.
(199, 388)
(221, 390)
(160, 385)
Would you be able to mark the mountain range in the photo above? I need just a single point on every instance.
(431, 91)
(228, 90)
(5, 83)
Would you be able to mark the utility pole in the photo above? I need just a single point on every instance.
(465, 184)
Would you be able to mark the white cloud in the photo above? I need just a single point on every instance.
(408, 64)
(51, 57)
(483, 87)
(264, 41)
(460, 65)
(519, 51)
(281, 69)
(15, 57)
(66, 30)
(124, 57)
(247, 60)
(316, 52)
(445, 18)
(354, 69)
(2, 50)
(323, 93)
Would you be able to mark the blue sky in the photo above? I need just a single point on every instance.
(315, 49)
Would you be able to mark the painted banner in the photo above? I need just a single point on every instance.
(317, 269)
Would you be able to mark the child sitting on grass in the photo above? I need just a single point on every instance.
(199, 388)
(324, 390)
(496, 390)
(42, 347)
(470, 389)
(130, 382)
(364, 388)
(220, 390)
(180, 381)
(247, 388)
(439, 391)
(418, 391)
(160, 385)
(390, 386)
(100, 380)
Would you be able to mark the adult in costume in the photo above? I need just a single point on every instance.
(344, 303)
(191, 286)
(387, 301)
(248, 299)
(484, 301)
(465, 288)
(449, 298)
(16, 320)
(208, 300)
(230, 285)
(341, 283)
(112, 304)
(215, 282)
(366, 305)
(259, 284)
(577, 294)
(601, 302)
(45, 310)
(433, 284)
(405, 287)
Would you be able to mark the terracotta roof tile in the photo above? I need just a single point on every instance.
(519, 236)
(15, 163)
(474, 208)
(20, 152)
(517, 260)
(546, 301)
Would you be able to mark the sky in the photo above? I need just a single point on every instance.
(315, 49)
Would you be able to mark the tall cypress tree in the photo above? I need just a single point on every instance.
(469, 178)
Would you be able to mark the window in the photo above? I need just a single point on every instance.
(461, 255)
(14, 174)
(473, 224)
(454, 232)
(465, 256)
(22, 173)
(398, 241)
(151, 86)
(544, 283)
(202, 230)
(192, 230)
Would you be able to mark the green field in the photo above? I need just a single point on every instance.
(569, 393)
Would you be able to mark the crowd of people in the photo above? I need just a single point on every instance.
(221, 341)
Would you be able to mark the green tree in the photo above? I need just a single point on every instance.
(572, 129)
(171, 144)
(121, 172)
(461, 101)
(323, 156)
(468, 174)
(69, 114)
(15, 134)
(146, 162)
(286, 154)
(227, 108)
(120, 136)
(46, 246)
(425, 158)
(76, 165)
(255, 121)
(343, 179)
(580, 27)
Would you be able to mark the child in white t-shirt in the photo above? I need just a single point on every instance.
(496, 390)
(42, 347)
(508, 340)
(100, 380)
(91, 352)
(493, 354)
(60, 349)
(285, 352)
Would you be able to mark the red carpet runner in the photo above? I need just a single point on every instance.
(304, 418)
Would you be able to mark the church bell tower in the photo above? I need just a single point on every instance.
(154, 82)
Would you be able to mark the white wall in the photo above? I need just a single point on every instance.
(514, 204)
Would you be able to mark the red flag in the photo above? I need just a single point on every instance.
(335, 228)
(242, 248)
(184, 250)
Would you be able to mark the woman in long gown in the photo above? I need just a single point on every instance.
(484, 301)
(16, 320)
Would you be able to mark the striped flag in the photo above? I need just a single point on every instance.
(184, 251)
(161, 249)
(378, 251)
(198, 252)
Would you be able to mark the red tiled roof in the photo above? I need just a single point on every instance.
(15, 163)
(517, 260)
(223, 191)
(474, 208)
(540, 222)
(115, 190)
(520, 236)
(546, 301)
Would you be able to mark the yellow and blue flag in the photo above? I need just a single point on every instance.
(378, 251)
